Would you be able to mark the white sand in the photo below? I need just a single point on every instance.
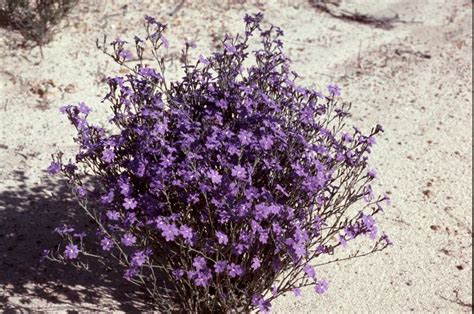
(424, 158)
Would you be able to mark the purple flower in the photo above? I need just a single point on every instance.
(318, 224)
(167, 161)
(190, 44)
(233, 150)
(202, 278)
(164, 41)
(83, 108)
(340, 156)
(108, 155)
(71, 251)
(79, 235)
(150, 19)
(54, 168)
(371, 141)
(309, 271)
(215, 177)
(129, 239)
(334, 89)
(70, 168)
(118, 41)
(299, 249)
(321, 286)
(297, 292)
(234, 270)
(274, 290)
(369, 194)
(203, 60)
(222, 103)
(186, 232)
(149, 72)
(245, 137)
(266, 142)
(373, 233)
(126, 55)
(44, 255)
(139, 258)
(113, 215)
(307, 115)
(106, 244)
(130, 273)
(107, 198)
(276, 264)
(130, 219)
(222, 238)
(229, 48)
(351, 231)
(139, 169)
(343, 241)
(386, 239)
(282, 190)
(263, 305)
(129, 203)
(178, 273)
(387, 199)
(239, 172)
(220, 266)
(125, 187)
(368, 221)
(256, 263)
(240, 248)
(81, 124)
(169, 232)
(276, 228)
(372, 173)
(199, 263)
(81, 191)
(263, 237)
(63, 109)
(64, 230)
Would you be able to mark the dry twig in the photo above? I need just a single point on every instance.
(384, 22)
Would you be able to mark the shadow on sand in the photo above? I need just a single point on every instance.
(28, 217)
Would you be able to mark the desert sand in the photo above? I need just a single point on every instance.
(415, 79)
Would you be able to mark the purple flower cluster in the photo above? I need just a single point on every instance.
(71, 251)
(227, 177)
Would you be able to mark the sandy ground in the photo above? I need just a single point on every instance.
(414, 79)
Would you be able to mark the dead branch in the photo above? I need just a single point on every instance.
(178, 7)
(411, 52)
(384, 22)
(457, 301)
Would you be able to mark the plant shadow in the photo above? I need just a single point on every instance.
(28, 216)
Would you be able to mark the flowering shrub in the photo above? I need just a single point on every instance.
(219, 191)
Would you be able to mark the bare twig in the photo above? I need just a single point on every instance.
(459, 221)
(22, 155)
(415, 53)
(384, 22)
(458, 300)
(358, 55)
(178, 7)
